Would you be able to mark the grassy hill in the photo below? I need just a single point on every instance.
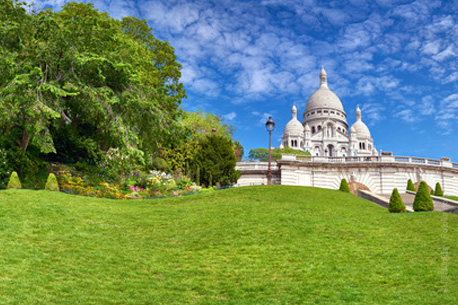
(253, 245)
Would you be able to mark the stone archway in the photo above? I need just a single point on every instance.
(356, 186)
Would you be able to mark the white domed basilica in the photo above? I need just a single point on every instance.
(324, 129)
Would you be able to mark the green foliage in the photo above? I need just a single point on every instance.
(262, 154)
(5, 168)
(77, 82)
(202, 124)
(396, 205)
(423, 200)
(344, 186)
(410, 186)
(432, 192)
(180, 157)
(438, 191)
(156, 163)
(14, 182)
(216, 161)
(198, 176)
(51, 183)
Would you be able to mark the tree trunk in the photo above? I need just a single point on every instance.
(25, 140)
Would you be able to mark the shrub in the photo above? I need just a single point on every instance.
(14, 182)
(344, 186)
(423, 200)
(410, 186)
(438, 191)
(51, 183)
(432, 192)
(396, 205)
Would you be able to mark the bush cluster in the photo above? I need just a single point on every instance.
(396, 205)
(423, 200)
(410, 186)
(344, 186)
(14, 182)
(51, 183)
(438, 191)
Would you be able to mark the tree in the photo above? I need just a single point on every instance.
(423, 200)
(87, 80)
(344, 186)
(410, 186)
(396, 205)
(201, 124)
(216, 161)
(438, 191)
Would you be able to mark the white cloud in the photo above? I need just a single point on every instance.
(406, 115)
(449, 52)
(230, 116)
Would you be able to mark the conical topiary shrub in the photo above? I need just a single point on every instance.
(410, 186)
(344, 186)
(438, 191)
(396, 205)
(423, 200)
(14, 182)
(51, 183)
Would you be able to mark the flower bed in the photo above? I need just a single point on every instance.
(135, 186)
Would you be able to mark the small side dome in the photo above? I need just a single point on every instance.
(360, 128)
(307, 127)
(352, 130)
(294, 127)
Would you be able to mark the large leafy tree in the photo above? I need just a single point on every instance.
(81, 78)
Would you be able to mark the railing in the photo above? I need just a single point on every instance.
(353, 159)
(256, 166)
(358, 159)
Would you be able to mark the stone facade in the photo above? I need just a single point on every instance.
(324, 130)
(379, 174)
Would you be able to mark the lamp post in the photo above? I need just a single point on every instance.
(270, 125)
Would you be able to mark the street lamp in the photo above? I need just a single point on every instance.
(270, 125)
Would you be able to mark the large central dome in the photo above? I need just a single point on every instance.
(323, 97)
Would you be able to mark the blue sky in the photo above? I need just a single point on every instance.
(246, 60)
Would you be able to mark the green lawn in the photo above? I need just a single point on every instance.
(253, 245)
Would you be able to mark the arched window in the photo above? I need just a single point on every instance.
(313, 129)
(317, 150)
(319, 127)
(330, 130)
(364, 145)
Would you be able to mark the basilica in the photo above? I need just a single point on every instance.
(324, 128)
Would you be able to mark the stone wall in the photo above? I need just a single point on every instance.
(379, 174)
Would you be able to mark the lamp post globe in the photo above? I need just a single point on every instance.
(270, 125)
